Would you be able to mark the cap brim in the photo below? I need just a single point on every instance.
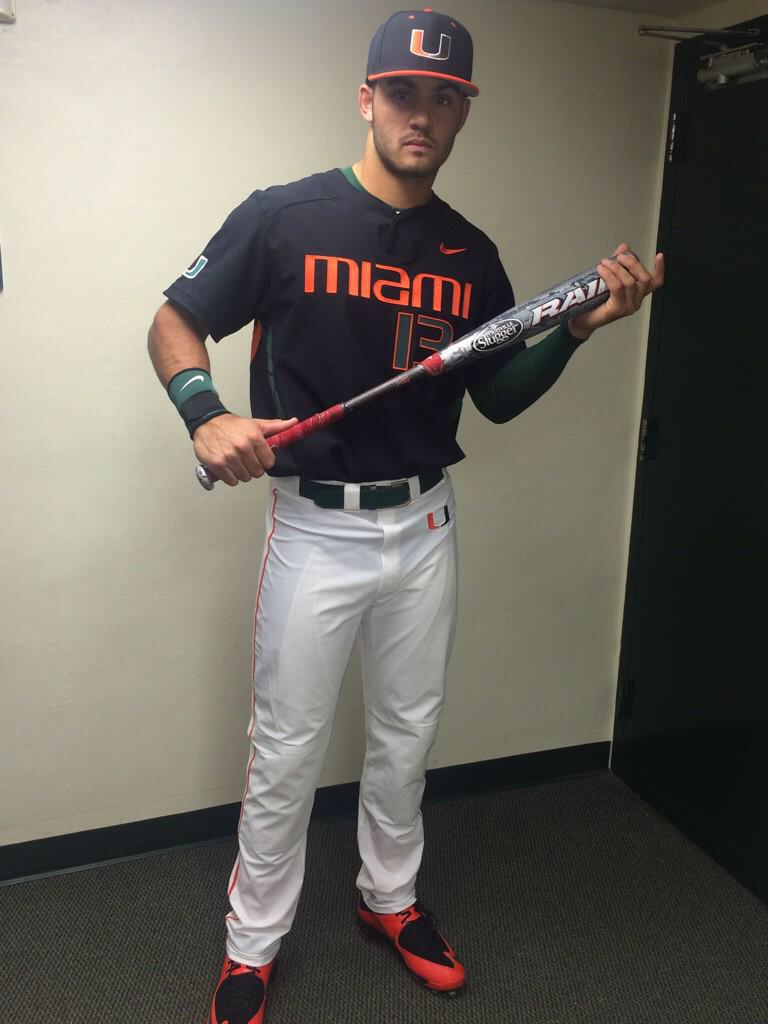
(461, 83)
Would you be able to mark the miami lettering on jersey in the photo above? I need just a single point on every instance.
(388, 284)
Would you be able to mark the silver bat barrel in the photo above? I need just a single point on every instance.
(566, 300)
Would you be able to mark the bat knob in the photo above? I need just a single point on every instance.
(203, 478)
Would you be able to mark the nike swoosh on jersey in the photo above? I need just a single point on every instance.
(449, 252)
(190, 381)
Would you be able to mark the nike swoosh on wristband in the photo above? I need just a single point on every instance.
(190, 381)
(449, 252)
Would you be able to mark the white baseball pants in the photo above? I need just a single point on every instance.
(327, 574)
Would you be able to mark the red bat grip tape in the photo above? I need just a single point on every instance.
(307, 426)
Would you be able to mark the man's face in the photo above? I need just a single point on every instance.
(414, 122)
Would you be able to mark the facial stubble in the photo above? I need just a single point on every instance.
(427, 170)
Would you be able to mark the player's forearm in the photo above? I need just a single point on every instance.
(525, 378)
(175, 343)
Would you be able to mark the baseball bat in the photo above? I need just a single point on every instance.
(570, 298)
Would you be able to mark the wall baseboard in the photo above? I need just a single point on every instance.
(20, 861)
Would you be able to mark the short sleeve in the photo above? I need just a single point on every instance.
(227, 285)
(498, 296)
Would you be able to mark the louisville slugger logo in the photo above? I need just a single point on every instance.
(500, 333)
(575, 297)
(417, 46)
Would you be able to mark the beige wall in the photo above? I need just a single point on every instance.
(128, 133)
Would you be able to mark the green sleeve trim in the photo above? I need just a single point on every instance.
(525, 378)
(454, 412)
(271, 375)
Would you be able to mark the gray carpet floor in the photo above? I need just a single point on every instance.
(569, 902)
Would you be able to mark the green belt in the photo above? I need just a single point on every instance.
(372, 496)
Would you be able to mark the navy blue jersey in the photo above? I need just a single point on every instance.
(346, 291)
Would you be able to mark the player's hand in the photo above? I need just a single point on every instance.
(234, 448)
(628, 284)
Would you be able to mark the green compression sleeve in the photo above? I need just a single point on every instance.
(525, 378)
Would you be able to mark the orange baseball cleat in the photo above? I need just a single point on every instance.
(415, 935)
(241, 994)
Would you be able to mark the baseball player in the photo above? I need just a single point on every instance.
(351, 276)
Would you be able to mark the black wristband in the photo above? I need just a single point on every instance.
(200, 408)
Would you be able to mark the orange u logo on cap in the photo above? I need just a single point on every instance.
(417, 45)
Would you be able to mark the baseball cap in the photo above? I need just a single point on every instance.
(423, 43)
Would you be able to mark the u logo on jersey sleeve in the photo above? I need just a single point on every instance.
(196, 267)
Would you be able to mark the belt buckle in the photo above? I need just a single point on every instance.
(389, 487)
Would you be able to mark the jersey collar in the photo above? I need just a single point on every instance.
(353, 180)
